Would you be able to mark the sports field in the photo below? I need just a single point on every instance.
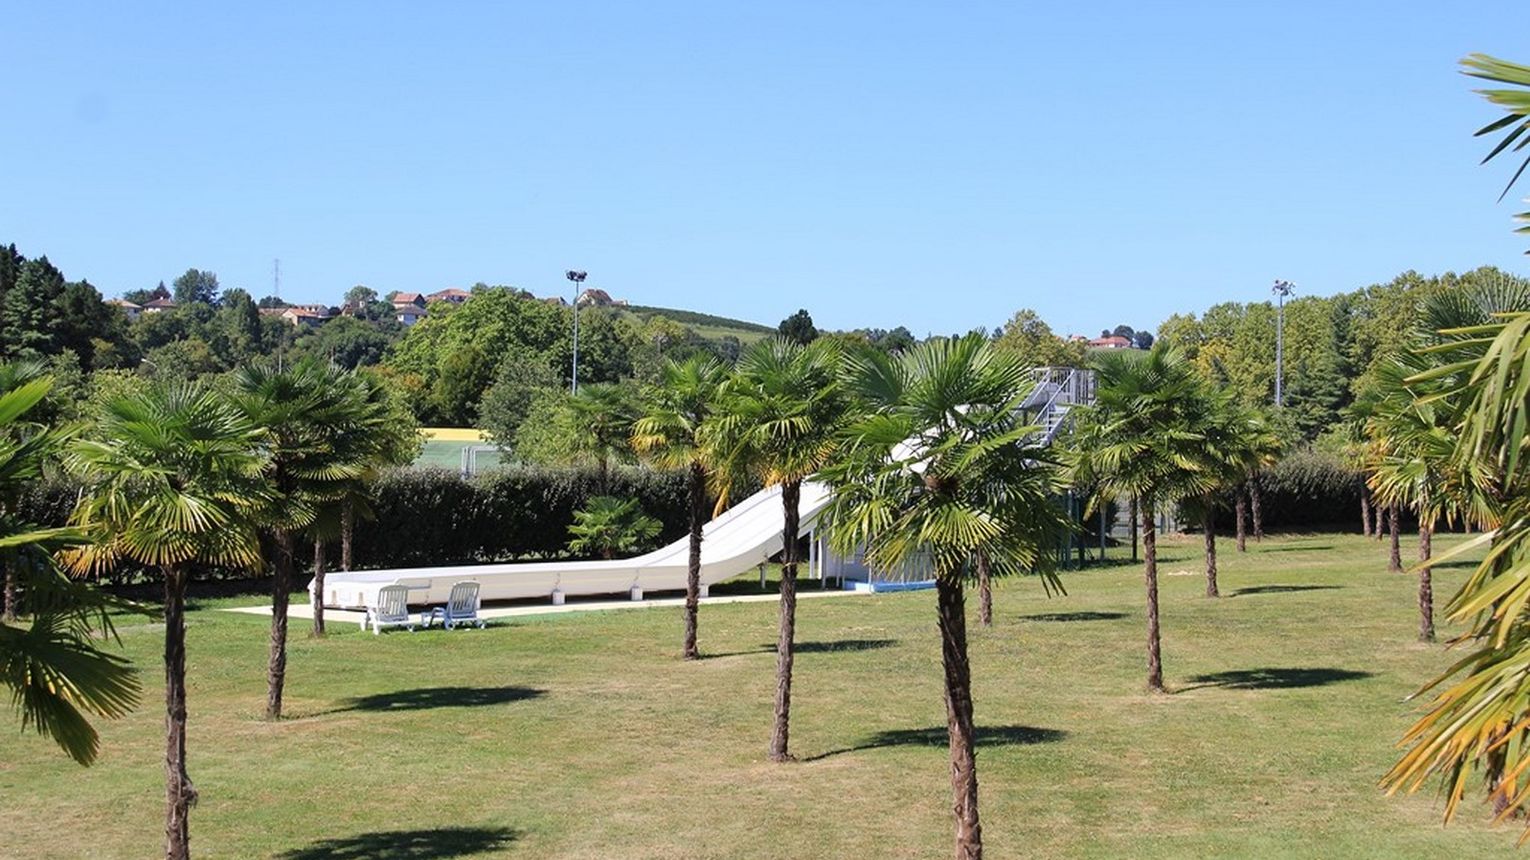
(443, 448)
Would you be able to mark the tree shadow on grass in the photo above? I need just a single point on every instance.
(829, 647)
(987, 736)
(426, 698)
(835, 645)
(1268, 678)
(1282, 589)
(436, 844)
(1317, 547)
(1074, 616)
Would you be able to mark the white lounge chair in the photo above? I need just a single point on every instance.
(392, 609)
(461, 607)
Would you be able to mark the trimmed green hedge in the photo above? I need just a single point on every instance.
(1307, 491)
(428, 517)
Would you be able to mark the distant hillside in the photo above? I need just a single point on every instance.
(708, 325)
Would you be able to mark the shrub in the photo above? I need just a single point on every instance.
(1308, 490)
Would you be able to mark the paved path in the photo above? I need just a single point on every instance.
(303, 610)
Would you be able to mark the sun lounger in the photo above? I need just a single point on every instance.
(461, 607)
(392, 609)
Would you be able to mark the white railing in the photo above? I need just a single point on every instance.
(1058, 390)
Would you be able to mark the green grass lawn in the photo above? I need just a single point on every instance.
(585, 736)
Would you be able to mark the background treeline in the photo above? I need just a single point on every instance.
(1334, 345)
(501, 361)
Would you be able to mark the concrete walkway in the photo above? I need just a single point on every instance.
(303, 610)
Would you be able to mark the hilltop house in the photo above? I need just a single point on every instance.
(1113, 341)
(158, 305)
(450, 294)
(309, 315)
(130, 310)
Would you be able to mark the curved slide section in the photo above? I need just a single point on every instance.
(746, 535)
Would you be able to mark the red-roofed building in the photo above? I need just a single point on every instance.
(450, 294)
(1114, 341)
(309, 315)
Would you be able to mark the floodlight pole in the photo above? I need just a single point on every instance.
(577, 278)
(1281, 290)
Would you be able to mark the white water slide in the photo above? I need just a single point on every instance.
(746, 535)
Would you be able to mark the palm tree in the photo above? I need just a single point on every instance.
(1477, 719)
(172, 483)
(1145, 438)
(13, 375)
(604, 413)
(1237, 442)
(307, 412)
(608, 525)
(1259, 448)
(374, 436)
(1414, 446)
(672, 434)
(53, 667)
(397, 444)
(1516, 104)
(778, 420)
(945, 474)
(1414, 416)
(1353, 450)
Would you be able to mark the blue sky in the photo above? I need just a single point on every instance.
(881, 164)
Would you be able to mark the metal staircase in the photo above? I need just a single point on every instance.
(1058, 390)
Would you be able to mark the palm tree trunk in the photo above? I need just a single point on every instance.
(1150, 575)
(318, 586)
(1394, 559)
(276, 672)
(1256, 507)
(1425, 582)
(1133, 520)
(791, 493)
(180, 794)
(347, 532)
(985, 590)
(1209, 530)
(1365, 509)
(1240, 513)
(959, 726)
(9, 613)
(1497, 759)
(698, 499)
(1381, 521)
